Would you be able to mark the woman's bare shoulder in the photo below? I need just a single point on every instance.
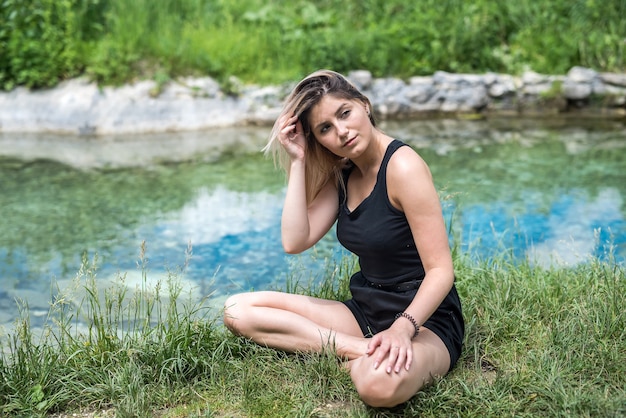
(405, 164)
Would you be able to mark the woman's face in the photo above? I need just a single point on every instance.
(341, 125)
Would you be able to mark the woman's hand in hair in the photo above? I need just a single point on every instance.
(291, 137)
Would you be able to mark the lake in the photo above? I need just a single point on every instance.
(209, 203)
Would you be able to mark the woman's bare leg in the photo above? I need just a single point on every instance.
(295, 323)
(300, 323)
(381, 389)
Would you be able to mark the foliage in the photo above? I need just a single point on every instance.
(38, 42)
(539, 342)
(115, 41)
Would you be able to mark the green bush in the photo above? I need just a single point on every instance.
(115, 41)
(37, 41)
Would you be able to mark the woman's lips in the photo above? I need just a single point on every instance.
(349, 142)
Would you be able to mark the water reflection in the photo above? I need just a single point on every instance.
(234, 237)
(573, 229)
(580, 226)
(123, 151)
(547, 192)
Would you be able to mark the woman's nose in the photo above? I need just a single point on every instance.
(343, 130)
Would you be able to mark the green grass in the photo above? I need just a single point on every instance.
(261, 41)
(540, 342)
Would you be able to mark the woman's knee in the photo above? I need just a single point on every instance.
(380, 389)
(383, 392)
(235, 309)
(240, 310)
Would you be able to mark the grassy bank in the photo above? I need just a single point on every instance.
(540, 342)
(115, 41)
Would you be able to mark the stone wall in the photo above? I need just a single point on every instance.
(81, 107)
(532, 93)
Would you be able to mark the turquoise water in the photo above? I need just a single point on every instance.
(547, 192)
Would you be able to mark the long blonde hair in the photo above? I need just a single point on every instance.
(321, 165)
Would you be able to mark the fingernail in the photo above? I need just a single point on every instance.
(388, 369)
(376, 365)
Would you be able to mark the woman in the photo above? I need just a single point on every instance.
(403, 326)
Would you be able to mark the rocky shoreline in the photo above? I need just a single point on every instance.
(80, 107)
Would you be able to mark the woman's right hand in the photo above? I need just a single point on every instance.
(291, 137)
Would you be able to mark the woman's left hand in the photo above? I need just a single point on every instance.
(395, 344)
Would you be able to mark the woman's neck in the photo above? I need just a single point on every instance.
(369, 161)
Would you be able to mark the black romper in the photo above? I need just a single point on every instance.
(391, 268)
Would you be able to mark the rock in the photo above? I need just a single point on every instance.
(533, 78)
(80, 107)
(582, 75)
(614, 79)
(387, 88)
(500, 86)
(202, 87)
(576, 90)
(362, 79)
(537, 89)
(419, 91)
(614, 96)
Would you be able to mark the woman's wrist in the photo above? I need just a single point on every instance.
(296, 162)
(411, 320)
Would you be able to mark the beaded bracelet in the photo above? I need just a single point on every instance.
(413, 321)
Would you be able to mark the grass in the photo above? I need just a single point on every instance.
(261, 41)
(540, 342)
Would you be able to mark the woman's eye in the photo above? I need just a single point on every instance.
(324, 129)
(345, 113)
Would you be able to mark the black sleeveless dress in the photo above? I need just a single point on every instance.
(391, 268)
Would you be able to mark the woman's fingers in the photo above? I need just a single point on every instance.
(286, 131)
(291, 137)
(384, 349)
(291, 129)
(409, 358)
(394, 352)
(403, 359)
(398, 358)
(373, 343)
(395, 358)
(375, 346)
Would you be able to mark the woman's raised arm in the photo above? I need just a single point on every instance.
(303, 224)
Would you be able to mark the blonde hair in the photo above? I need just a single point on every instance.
(321, 165)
